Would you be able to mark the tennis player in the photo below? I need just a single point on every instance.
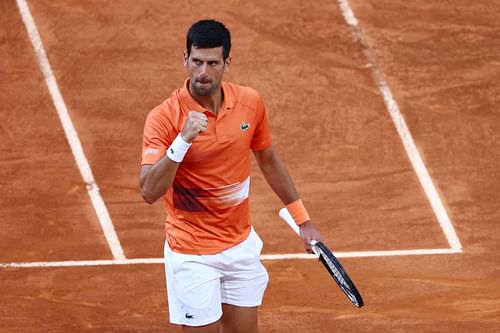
(196, 157)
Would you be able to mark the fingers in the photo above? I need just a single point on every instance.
(309, 233)
(203, 123)
(307, 245)
(196, 122)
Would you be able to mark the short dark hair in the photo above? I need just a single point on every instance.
(207, 34)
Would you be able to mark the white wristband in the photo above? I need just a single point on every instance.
(178, 149)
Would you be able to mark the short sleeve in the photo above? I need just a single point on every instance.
(158, 135)
(262, 135)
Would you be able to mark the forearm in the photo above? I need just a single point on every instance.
(157, 179)
(277, 176)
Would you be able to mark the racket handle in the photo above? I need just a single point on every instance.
(287, 217)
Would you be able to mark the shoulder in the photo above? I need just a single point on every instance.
(169, 110)
(243, 94)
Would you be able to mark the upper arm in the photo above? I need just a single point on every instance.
(265, 156)
(158, 134)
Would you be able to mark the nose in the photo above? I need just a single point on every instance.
(204, 69)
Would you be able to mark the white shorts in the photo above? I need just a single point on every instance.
(197, 285)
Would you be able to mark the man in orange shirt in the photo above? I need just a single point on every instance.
(196, 156)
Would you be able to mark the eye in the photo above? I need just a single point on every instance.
(213, 63)
(197, 62)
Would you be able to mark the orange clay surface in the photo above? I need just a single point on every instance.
(115, 60)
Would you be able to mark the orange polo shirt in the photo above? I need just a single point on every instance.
(207, 205)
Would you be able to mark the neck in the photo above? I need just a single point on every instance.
(212, 102)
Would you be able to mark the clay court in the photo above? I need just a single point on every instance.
(386, 112)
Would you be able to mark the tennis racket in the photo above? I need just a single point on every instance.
(331, 263)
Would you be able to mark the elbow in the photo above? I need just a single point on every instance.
(149, 197)
(149, 200)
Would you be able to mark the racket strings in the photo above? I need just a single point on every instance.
(339, 274)
(333, 268)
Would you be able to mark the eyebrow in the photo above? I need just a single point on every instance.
(208, 60)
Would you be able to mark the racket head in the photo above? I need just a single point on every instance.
(339, 274)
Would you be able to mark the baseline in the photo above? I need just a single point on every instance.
(141, 261)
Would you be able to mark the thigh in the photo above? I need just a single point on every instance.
(245, 278)
(210, 328)
(193, 289)
(237, 319)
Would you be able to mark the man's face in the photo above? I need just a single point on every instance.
(205, 68)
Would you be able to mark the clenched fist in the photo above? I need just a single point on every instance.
(196, 122)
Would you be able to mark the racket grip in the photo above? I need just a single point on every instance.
(287, 217)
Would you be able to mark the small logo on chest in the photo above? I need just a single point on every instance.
(244, 126)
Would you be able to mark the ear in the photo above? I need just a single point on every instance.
(186, 57)
(227, 62)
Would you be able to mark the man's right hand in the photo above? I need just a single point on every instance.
(196, 122)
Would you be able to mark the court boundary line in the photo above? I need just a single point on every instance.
(264, 257)
(404, 133)
(70, 132)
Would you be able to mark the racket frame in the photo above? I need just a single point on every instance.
(338, 272)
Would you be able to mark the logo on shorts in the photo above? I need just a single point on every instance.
(171, 151)
(189, 316)
(244, 126)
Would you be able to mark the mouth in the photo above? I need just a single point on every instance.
(203, 84)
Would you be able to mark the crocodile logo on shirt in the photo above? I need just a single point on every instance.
(189, 316)
(244, 126)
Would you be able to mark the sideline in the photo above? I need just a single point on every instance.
(402, 128)
(70, 132)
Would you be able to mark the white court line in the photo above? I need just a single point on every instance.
(403, 131)
(289, 256)
(71, 134)
(393, 109)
